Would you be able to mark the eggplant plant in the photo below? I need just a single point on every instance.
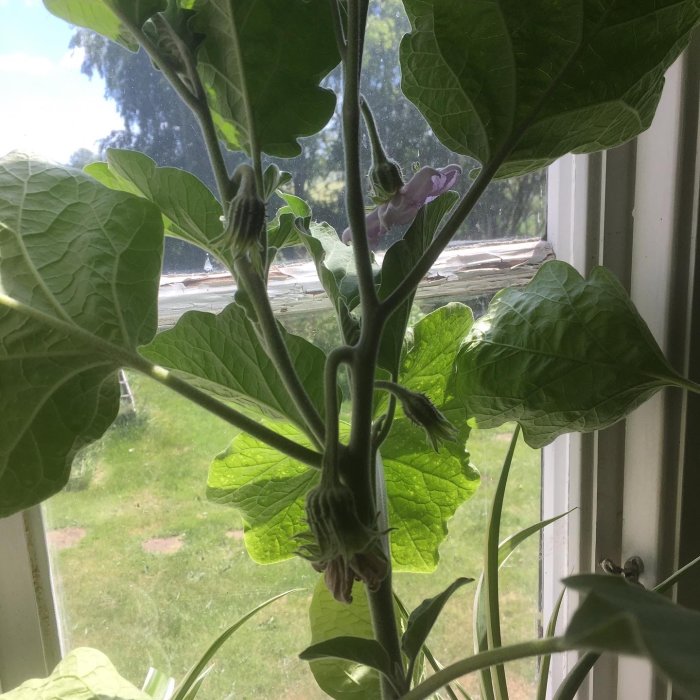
(366, 490)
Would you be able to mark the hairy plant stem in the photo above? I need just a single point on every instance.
(358, 460)
(119, 356)
(276, 348)
(354, 195)
(196, 101)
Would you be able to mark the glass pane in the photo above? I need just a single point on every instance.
(146, 568)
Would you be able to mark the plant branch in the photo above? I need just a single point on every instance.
(513, 652)
(124, 357)
(335, 359)
(354, 197)
(338, 28)
(277, 348)
(196, 101)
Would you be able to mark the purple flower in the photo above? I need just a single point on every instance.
(425, 186)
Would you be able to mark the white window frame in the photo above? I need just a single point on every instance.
(634, 209)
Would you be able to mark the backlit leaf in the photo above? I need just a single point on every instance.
(261, 63)
(79, 272)
(548, 78)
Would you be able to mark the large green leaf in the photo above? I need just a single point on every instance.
(84, 674)
(342, 680)
(79, 271)
(107, 16)
(398, 262)
(547, 78)
(268, 488)
(190, 210)
(425, 488)
(261, 62)
(222, 355)
(561, 354)
(620, 617)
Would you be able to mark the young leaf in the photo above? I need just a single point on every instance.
(261, 63)
(335, 264)
(626, 619)
(79, 272)
(222, 355)
(158, 685)
(99, 15)
(83, 674)
(367, 652)
(190, 210)
(561, 354)
(580, 77)
(342, 680)
(398, 261)
(422, 619)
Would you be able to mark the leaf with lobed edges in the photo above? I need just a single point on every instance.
(79, 272)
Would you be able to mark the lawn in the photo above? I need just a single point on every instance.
(150, 572)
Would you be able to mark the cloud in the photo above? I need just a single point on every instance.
(26, 64)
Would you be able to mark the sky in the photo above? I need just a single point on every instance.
(47, 106)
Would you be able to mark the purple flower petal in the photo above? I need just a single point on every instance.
(425, 186)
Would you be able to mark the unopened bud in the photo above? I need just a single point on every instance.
(422, 411)
(245, 217)
(339, 544)
(386, 179)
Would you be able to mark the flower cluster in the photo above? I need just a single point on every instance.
(339, 544)
(425, 186)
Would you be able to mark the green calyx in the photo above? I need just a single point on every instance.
(423, 412)
(385, 179)
(340, 544)
(245, 217)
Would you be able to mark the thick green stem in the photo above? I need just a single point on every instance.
(277, 348)
(381, 605)
(536, 647)
(354, 196)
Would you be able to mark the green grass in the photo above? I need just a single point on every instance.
(163, 610)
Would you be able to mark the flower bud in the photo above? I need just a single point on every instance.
(385, 179)
(340, 544)
(245, 217)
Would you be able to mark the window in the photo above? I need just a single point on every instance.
(623, 480)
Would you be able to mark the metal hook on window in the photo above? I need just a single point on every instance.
(631, 570)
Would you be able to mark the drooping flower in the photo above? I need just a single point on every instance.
(339, 544)
(425, 186)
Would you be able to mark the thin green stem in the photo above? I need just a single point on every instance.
(543, 675)
(335, 359)
(673, 579)
(535, 647)
(124, 357)
(490, 589)
(338, 27)
(371, 126)
(196, 101)
(277, 349)
(354, 196)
